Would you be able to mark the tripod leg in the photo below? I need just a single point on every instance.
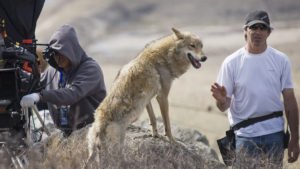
(15, 162)
(41, 120)
(27, 127)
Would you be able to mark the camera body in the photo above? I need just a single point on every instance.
(19, 76)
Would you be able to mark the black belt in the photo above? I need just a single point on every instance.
(251, 121)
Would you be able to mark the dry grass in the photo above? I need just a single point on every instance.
(140, 151)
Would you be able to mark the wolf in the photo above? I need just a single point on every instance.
(148, 75)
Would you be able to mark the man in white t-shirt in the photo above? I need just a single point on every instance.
(250, 84)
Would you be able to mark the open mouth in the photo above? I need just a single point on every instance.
(196, 62)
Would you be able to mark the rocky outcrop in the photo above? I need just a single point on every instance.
(141, 150)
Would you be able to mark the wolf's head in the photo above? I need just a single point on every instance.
(190, 47)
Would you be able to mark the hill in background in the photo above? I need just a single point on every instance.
(97, 19)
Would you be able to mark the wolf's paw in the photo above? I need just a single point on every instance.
(155, 134)
(176, 143)
(172, 140)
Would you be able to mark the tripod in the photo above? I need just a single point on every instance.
(16, 152)
(27, 127)
(18, 160)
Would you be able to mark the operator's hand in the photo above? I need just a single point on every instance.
(293, 150)
(218, 92)
(29, 100)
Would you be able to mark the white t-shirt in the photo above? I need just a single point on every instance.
(254, 82)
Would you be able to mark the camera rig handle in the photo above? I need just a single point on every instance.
(18, 53)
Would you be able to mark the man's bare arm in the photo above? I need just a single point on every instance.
(292, 115)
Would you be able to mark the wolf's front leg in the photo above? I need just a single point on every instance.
(152, 119)
(164, 108)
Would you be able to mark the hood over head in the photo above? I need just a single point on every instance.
(65, 41)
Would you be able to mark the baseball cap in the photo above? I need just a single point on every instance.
(258, 16)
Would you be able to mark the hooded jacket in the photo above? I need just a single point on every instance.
(85, 88)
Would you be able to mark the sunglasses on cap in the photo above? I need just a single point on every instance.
(259, 26)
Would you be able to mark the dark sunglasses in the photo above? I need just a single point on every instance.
(259, 26)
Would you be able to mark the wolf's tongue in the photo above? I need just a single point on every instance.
(196, 63)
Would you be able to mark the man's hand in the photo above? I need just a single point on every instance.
(29, 100)
(293, 150)
(220, 94)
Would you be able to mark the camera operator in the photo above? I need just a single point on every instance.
(81, 83)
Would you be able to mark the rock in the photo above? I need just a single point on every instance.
(140, 150)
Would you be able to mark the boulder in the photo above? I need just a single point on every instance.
(140, 150)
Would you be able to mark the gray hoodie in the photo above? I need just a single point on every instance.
(85, 88)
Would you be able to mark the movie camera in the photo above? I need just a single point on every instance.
(19, 75)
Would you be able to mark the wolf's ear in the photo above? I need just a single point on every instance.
(178, 34)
